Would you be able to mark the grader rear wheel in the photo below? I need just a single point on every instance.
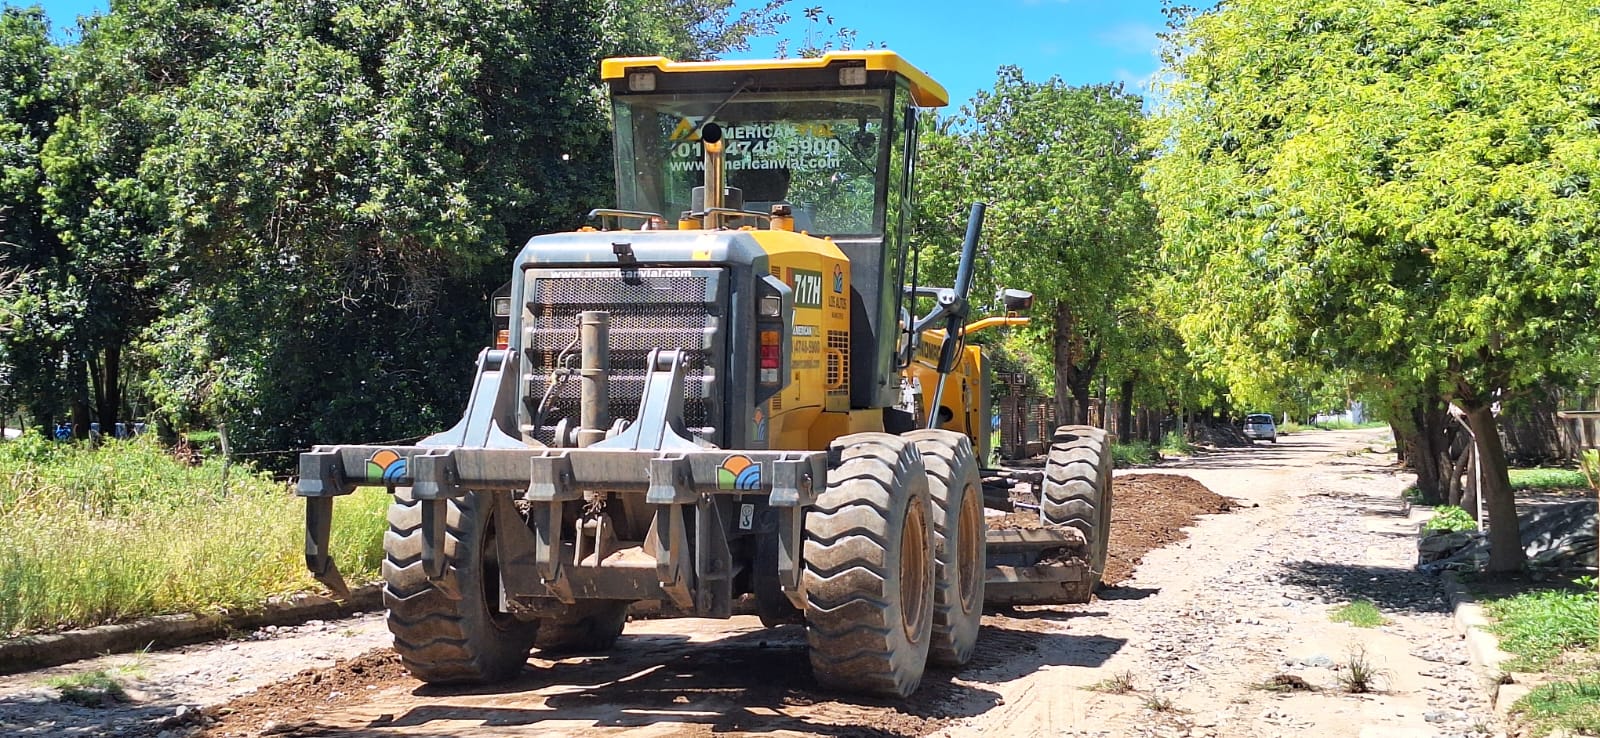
(1077, 489)
(454, 633)
(956, 497)
(869, 568)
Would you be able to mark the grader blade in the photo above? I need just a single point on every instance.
(1037, 566)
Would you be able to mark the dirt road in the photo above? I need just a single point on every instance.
(1196, 632)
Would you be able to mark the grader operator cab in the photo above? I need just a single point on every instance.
(713, 395)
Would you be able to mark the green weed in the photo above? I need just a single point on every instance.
(1174, 443)
(1119, 683)
(1450, 518)
(1544, 478)
(94, 536)
(1359, 676)
(1136, 453)
(1158, 703)
(1361, 613)
(1572, 706)
(1536, 627)
(90, 689)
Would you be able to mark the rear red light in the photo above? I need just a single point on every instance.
(502, 340)
(771, 354)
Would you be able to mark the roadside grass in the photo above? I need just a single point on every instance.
(1330, 425)
(1135, 453)
(1361, 614)
(90, 689)
(1536, 628)
(95, 536)
(1174, 443)
(1546, 478)
(1570, 706)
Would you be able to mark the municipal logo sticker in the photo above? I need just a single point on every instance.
(386, 465)
(838, 278)
(739, 472)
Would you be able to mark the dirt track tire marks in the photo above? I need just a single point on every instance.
(1077, 489)
(955, 494)
(451, 632)
(869, 568)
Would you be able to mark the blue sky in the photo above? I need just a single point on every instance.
(962, 44)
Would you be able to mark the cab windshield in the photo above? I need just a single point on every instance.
(824, 153)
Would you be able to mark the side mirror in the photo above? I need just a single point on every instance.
(1016, 301)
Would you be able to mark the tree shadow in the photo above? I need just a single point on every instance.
(1390, 588)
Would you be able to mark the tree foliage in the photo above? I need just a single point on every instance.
(1398, 189)
(284, 218)
(1068, 222)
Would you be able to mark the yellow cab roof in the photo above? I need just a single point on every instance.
(926, 92)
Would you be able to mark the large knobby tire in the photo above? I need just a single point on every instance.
(1077, 489)
(955, 494)
(588, 626)
(452, 632)
(869, 568)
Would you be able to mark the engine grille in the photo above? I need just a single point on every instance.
(650, 308)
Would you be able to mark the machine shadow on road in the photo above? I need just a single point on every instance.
(754, 682)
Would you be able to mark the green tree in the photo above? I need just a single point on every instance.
(1401, 189)
(33, 322)
(1068, 221)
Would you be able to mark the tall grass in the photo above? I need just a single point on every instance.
(94, 536)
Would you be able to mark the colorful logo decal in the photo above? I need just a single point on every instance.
(739, 472)
(386, 465)
(838, 278)
(761, 425)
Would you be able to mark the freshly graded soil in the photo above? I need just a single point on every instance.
(1150, 511)
(756, 679)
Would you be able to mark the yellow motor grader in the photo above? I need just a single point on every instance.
(718, 390)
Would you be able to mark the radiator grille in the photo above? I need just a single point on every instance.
(650, 309)
(838, 363)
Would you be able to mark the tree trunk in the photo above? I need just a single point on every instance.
(106, 379)
(1125, 411)
(78, 384)
(1505, 539)
(1063, 361)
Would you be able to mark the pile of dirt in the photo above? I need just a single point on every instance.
(1219, 434)
(1150, 511)
(286, 707)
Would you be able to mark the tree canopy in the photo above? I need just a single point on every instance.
(1401, 189)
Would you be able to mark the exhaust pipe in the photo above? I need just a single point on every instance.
(711, 141)
(594, 373)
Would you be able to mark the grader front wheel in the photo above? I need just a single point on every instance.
(956, 497)
(455, 633)
(869, 568)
